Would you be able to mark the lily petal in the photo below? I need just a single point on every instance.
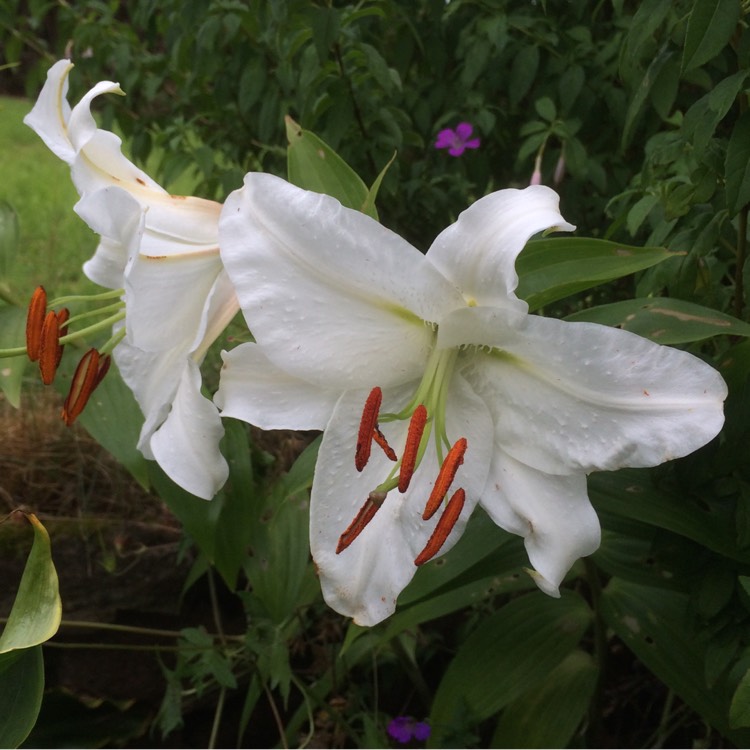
(51, 112)
(119, 220)
(552, 513)
(478, 252)
(187, 444)
(365, 579)
(255, 390)
(318, 281)
(571, 397)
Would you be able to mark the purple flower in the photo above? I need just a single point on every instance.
(456, 141)
(406, 728)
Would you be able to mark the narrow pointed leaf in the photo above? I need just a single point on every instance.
(562, 699)
(709, 29)
(13, 326)
(313, 165)
(659, 627)
(737, 169)
(553, 268)
(510, 653)
(35, 615)
(665, 320)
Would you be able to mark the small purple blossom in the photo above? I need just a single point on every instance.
(458, 140)
(405, 728)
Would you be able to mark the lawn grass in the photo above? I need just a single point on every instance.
(53, 241)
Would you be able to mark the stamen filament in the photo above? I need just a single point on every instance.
(411, 449)
(35, 322)
(444, 526)
(445, 478)
(110, 294)
(379, 438)
(101, 325)
(98, 312)
(63, 317)
(367, 426)
(366, 513)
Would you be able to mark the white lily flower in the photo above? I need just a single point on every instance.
(519, 407)
(163, 250)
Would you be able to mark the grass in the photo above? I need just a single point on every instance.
(53, 241)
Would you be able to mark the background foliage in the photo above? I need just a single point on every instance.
(647, 104)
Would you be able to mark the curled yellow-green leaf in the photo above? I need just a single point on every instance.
(37, 609)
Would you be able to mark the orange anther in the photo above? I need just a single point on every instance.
(48, 348)
(444, 526)
(35, 321)
(363, 517)
(445, 478)
(89, 373)
(411, 449)
(367, 426)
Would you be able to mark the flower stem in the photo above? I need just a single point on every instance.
(595, 728)
(739, 285)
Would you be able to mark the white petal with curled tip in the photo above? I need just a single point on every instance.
(552, 513)
(255, 390)
(365, 579)
(49, 116)
(570, 397)
(186, 445)
(478, 252)
(333, 297)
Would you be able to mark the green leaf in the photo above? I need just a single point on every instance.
(21, 690)
(112, 417)
(664, 320)
(630, 493)
(659, 627)
(739, 710)
(13, 326)
(35, 615)
(510, 653)
(8, 239)
(372, 194)
(545, 108)
(737, 166)
(553, 268)
(701, 119)
(641, 94)
(710, 26)
(522, 72)
(313, 165)
(562, 699)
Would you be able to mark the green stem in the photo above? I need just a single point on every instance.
(601, 651)
(739, 283)
(217, 717)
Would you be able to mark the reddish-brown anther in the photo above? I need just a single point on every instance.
(48, 348)
(445, 478)
(365, 514)
(411, 449)
(444, 526)
(35, 322)
(367, 426)
(89, 373)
